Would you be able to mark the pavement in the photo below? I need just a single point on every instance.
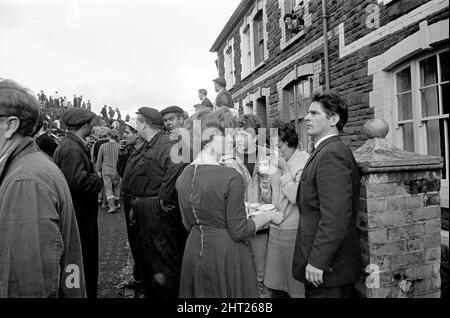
(115, 261)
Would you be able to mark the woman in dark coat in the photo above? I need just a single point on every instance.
(217, 260)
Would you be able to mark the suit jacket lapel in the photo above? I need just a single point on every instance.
(316, 151)
(311, 157)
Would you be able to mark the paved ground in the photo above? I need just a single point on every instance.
(114, 267)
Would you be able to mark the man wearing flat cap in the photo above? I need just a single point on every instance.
(40, 249)
(72, 157)
(150, 177)
(173, 118)
(223, 96)
(128, 149)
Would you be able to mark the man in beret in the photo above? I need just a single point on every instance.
(150, 177)
(72, 157)
(223, 96)
(173, 117)
(40, 249)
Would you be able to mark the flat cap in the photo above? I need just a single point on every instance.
(152, 115)
(221, 81)
(172, 109)
(77, 116)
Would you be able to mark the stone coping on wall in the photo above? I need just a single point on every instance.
(378, 155)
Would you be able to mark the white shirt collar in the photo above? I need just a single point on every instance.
(318, 142)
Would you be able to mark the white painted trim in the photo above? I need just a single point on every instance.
(444, 238)
(230, 43)
(385, 2)
(246, 70)
(412, 17)
(296, 73)
(248, 20)
(253, 97)
(307, 49)
(382, 97)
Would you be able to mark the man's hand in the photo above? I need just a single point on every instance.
(167, 206)
(314, 275)
(131, 217)
(159, 277)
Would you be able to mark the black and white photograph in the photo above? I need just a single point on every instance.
(224, 156)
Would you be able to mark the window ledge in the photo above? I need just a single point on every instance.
(285, 45)
(385, 2)
(243, 77)
(257, 67)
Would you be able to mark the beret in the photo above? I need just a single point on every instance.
(172, 109)
(77, 116)
(152, 115)
(221, 81)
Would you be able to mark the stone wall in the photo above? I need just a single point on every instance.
(399, 218)
(401, 226)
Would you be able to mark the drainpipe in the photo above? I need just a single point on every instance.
(325, 44)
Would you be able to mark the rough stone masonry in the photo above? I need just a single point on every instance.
(399, 219)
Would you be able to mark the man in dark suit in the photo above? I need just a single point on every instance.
(204, 100)
(327, 256)
(223, 96)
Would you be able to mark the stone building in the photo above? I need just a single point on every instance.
(388, 58)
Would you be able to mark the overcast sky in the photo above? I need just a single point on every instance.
(124, 54)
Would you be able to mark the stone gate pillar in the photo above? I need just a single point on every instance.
(399, 218)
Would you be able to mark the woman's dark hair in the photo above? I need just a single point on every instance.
(332, 104)
(249, 121)
(287, 133)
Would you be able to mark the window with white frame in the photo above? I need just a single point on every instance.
(254, 39)
(229, 66)
(297, 101)
(258, 33)
(422, 106)
(246, 52)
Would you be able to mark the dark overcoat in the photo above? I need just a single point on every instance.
(72, 157)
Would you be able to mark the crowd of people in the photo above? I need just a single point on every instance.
(58, 101)
(215, 204)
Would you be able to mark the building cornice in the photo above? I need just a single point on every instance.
(235, 19)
